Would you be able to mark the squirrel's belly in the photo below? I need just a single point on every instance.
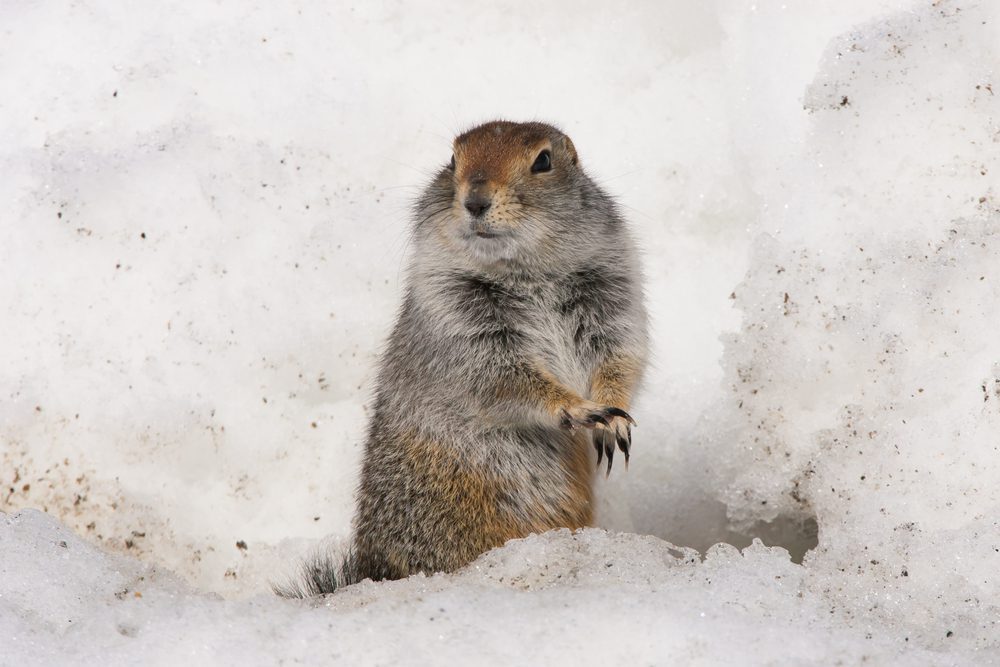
(546, 475)
(533, 480)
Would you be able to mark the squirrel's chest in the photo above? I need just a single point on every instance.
(555, 331)
(544, 321)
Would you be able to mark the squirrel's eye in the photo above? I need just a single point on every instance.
(542, 163)
(451, 165)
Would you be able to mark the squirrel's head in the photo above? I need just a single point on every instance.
(511, 192)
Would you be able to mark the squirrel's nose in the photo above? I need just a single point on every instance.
(477, 205)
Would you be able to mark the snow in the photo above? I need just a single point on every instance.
(559, 598)
(203, 226)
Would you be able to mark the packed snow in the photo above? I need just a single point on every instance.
(202, 234)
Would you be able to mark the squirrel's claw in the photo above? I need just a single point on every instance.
(605, 440)
(625, 443)
(590, 420)
(604, 445)
(609, 449)
(613, 424)
(591, 417)
(618, 412)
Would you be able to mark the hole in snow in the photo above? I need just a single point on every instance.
(692, 518)
(797, 534)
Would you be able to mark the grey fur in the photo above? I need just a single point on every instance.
(560, 287)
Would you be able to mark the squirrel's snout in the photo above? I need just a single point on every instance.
(477, 205)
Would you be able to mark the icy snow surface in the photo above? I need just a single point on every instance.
(202, 227)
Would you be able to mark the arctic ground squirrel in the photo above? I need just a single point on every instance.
(520, 341)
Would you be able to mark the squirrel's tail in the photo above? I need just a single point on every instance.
(320, 574)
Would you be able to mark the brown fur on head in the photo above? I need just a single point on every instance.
(495, 165)
(501, 152)
(511, 192)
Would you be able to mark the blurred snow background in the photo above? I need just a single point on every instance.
(203, 222)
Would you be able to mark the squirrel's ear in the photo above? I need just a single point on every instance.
(570, 148)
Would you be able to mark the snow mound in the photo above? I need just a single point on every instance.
(865, 378)
(589, 598)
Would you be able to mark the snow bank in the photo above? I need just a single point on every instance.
(204, 220)
(590, 598)
(865, 378)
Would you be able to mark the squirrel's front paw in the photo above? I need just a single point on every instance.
(611, 426)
